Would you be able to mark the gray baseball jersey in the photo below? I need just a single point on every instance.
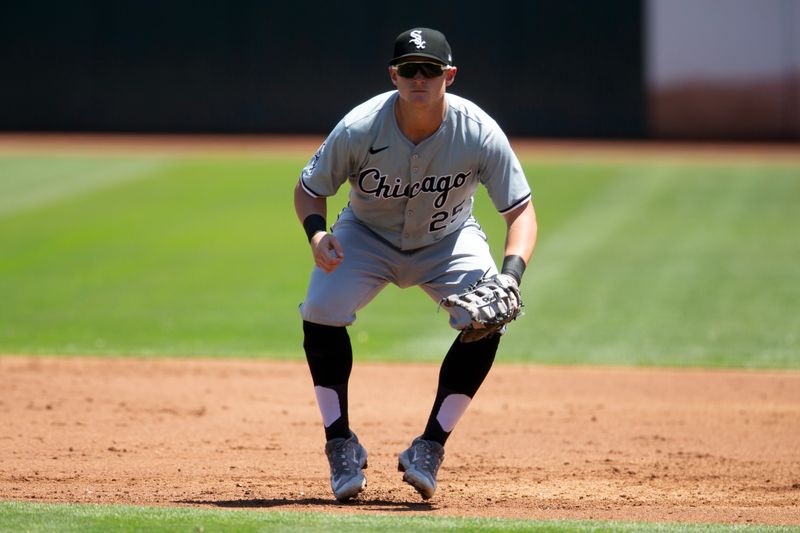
(415, 195)
(409, 220)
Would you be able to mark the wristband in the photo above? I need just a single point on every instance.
(514, 266)
(312, 224)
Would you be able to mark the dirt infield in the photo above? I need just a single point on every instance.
(537, 442)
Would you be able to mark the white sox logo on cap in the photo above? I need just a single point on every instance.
(421, 42)
(416, 38)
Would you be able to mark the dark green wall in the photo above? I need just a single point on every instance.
(544, 68)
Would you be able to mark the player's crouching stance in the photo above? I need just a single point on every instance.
(414, 158)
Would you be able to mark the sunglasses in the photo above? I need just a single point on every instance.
(429, 70)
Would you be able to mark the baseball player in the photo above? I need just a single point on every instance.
(413, 157)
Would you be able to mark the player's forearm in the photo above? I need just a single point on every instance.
(522, 229)
(305, 205)
(311, 212)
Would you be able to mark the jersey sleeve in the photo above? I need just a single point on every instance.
(330, 166)
(501, 172)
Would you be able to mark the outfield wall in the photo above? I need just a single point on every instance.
(546, 68)
(718, 69)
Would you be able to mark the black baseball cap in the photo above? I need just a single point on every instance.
(423, 42)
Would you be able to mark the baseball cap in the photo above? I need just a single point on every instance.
(423, 42)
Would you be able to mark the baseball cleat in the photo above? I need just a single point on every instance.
(420, 464)
(347, 459)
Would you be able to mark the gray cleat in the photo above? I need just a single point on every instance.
(347, 459)
(421, 463)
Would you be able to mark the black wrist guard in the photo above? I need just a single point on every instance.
(312, 224)
(514, 266)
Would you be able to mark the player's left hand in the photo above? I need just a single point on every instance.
(491, 303)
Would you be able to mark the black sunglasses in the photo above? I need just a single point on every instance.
(429, 70)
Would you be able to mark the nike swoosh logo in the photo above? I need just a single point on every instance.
(374, 151)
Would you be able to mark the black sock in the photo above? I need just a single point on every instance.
(463, 370)
(330, 360)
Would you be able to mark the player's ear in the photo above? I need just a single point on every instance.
(393, 75)
(450, 76)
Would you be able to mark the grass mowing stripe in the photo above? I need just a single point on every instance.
(671, 265)
(46, 518)
(562, 257)
(571, 245)
(181, 263)
(34, 182)
(699, 271)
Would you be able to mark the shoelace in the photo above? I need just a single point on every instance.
(427, 456)
(341, 453)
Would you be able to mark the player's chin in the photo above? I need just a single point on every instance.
(419, 99)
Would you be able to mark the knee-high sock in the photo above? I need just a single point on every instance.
(463, 370)
(330, 359)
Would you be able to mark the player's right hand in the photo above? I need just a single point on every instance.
(327, 251)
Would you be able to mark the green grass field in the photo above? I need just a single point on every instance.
(19, 517)
(637, 264)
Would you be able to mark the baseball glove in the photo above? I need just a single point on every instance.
(491, 303)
